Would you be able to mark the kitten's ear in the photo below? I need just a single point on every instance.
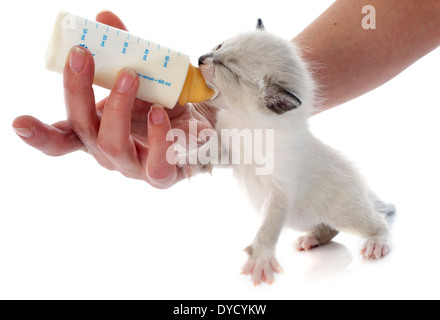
(278, 99)
(260, 25)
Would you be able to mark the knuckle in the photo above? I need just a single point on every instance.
(109, 148)
(83, 131)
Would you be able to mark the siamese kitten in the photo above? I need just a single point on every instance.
(263, 83)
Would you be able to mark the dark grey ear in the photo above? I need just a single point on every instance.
(278, 99)
(260, 25)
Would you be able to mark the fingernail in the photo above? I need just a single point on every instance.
(24, 132)
(77, 59)
(126, 80)
(157, 114)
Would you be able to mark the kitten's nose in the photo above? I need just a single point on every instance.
(203, 58)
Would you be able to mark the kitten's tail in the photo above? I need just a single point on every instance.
(386, 209)
(382, 207)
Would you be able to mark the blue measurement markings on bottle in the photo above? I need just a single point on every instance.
(125, 45)
(104, 39)
(84, 34)
(124, 48)
(153, 79)
(167, 59)
(84, 37)
(146, 53)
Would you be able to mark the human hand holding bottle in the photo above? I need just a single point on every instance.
(121, 132)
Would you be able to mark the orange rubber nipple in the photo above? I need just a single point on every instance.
(195, 88)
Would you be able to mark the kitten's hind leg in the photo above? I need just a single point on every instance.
(372, 225)
(319, 236)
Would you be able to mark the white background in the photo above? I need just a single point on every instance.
(71, 229)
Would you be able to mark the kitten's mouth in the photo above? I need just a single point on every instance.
(208, 75)
(216, 94)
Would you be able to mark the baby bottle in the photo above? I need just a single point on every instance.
(166, 76)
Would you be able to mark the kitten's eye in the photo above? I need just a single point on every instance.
(218, 47)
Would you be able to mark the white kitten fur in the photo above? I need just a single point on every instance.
(313, 188)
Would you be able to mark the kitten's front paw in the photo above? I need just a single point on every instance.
(261, 267)
(188, 161)
(191, 170)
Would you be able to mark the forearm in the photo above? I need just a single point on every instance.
(350, 61)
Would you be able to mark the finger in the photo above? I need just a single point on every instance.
(109, 18)
(114, 137)
(100, 105)
(56, 140)
(177, 111)
(139, 112)
(160, 172)
(80, 99)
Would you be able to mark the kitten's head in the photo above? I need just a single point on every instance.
(258, 69)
